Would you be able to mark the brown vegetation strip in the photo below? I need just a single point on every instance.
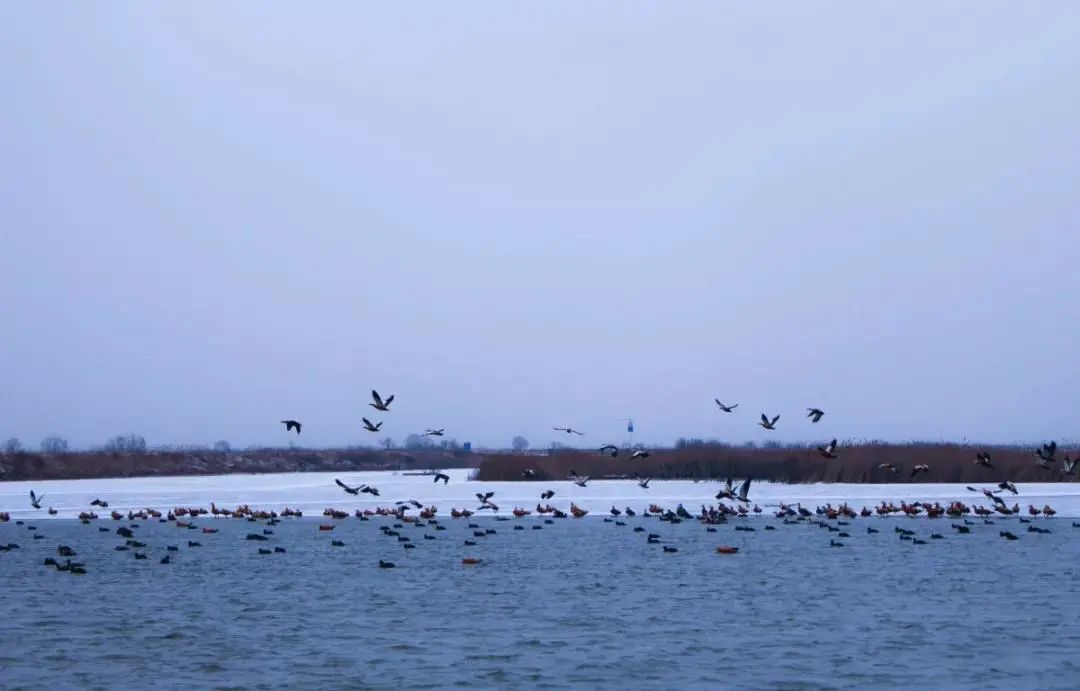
(948, 463)
(78, 466)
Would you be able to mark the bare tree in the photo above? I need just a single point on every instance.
(12, 446)
(222, 446)
(519, 443)
(388, 443)
(416, 441)
(54, 444)
(131, 443)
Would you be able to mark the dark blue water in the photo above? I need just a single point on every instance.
(578, 604)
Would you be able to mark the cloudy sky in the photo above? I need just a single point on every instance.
(520, 215)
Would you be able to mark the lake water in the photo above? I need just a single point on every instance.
(577, 604)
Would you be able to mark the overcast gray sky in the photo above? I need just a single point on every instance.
(517, 215)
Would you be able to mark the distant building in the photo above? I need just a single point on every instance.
(467, 447)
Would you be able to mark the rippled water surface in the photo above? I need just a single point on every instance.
(577, 604)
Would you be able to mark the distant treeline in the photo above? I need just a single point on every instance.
(948, 463)
(139, 463)
(795, 464)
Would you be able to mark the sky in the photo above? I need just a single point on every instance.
(513, 216)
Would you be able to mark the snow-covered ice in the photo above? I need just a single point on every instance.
(312, 492)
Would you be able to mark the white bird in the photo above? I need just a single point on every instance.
(1070, 464)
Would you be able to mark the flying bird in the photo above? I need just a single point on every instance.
(371, 427)
(380, 404)
(744, 490)
(640, 453)
(35, 500)
(887, 466)
(484, 497)
(728, 492)
(1070, 464)
(547, 494)
(725, 408)
(442, 476)
(1008, 486)
(644, 484)
(989, 494)
(768, 424)
(983, 458)
(368, 489)
(435, 432)
(580, 482)
(814, 414)
(351, 490)
(291, 425)
(568, 430)
(829, 450)
(528, 473)
(610, 450)
(1046, 454)
(920, 469)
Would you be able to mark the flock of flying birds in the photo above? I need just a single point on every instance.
(1046, 455)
